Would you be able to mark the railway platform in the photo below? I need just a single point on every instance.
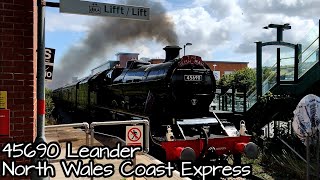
(78, 138)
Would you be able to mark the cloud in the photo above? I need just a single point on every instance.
(197, 26)
(226, 29)
(302, 8)
(300, 28)
(67, 22)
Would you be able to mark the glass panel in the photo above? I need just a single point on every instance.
(308, 62)
(310, 53)
(252, 99)
(287, 69)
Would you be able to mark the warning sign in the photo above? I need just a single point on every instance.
(3, 99)
(134, 136)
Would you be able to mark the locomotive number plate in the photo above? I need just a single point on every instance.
(193, 77)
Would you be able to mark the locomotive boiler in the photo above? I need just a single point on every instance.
(176, 88)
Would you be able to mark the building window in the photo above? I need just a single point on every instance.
(228, 72)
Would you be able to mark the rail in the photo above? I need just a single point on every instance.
(84, 124)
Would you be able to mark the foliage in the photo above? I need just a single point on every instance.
(49, 106)
(244, 78)
(226, 80)
(267, 72)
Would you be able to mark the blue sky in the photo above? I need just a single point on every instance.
(220, 30)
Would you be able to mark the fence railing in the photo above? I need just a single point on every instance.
(89, 129)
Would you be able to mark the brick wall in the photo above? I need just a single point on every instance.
(226, 66)
(156, 61)
(123, 58)
(18, 67)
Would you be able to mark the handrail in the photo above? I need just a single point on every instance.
(312, 51)
(315, 62)
(310, 55)
(309, 45)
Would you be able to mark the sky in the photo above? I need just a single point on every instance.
(219, 30)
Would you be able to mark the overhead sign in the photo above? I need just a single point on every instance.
(49, 60)
(104, 9)
(134, 136)
(3, 99)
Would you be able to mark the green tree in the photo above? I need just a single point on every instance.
(244, 78)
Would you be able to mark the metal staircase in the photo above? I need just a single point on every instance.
(308, 71)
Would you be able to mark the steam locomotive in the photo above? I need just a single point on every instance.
(175, 96)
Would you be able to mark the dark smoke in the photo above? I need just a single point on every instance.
(106, 33)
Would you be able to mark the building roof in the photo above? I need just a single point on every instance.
(125, 53)
(230, 62)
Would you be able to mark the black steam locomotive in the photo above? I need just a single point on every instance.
(175, 96)
(182, 87)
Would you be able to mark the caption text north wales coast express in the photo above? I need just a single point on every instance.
(81, 163)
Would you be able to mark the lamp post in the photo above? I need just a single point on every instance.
(214, 71)
(184, 48)
(214, 67)
(280, 28)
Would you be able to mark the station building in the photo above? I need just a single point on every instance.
(18, 64)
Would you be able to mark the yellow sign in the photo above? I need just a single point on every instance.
(3, 99)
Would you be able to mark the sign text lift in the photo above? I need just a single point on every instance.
(104, 9)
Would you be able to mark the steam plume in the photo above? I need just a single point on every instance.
(107, 33)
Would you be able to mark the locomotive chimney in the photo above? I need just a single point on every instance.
(172, 52)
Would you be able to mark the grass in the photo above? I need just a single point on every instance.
(257, 169)
(279, 165)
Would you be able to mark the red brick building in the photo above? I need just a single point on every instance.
(156, 61)
(18, 61)
(225, 67)
(219, 67)
(123, 58)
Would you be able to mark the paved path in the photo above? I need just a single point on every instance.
(78, 138)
